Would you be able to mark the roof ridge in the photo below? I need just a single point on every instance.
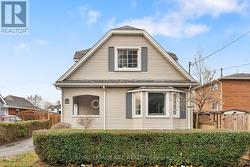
(126, 27)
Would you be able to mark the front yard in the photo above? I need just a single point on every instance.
(29, 159)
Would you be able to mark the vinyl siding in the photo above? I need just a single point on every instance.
(116, 111)
(96, 67)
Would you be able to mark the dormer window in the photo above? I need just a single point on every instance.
(127, 59)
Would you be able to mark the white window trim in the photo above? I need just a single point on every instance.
(138, 58)
(134, 115)
(166, 106)
(86, 116)
(217, 106)
(177, 115)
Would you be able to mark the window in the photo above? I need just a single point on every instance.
(176, 104)
(214, 87)
(215, 106)
(156, 104)
(86, 105)
(137, 104)
(127, 59)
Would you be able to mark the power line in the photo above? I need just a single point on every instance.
(246, 64)
(222, 48)
(229, 67)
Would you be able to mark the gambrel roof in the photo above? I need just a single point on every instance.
(83, 55)
(79, 54)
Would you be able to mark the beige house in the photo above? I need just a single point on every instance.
(127, 81)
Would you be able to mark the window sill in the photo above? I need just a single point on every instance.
(86, 116)
(127, 69)
(137, 117)
(157, 116)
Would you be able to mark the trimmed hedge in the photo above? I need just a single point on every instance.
(12, 131)
(141, 148)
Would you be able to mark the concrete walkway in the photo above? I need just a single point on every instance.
(15, 148)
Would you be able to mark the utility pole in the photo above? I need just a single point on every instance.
(189, 67)
(221, 72)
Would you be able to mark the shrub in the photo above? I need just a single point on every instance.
(11, 131)
(85, 122)
(141, 148)
(61, 125)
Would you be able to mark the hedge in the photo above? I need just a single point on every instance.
(12, 131)
(141, 148)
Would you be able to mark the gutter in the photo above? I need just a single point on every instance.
(122, 84)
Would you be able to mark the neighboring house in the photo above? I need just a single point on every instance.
(55, 108)
(127, 81)
(13, 105)
(230, 93)
(2, 103)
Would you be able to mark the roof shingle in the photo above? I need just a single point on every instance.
(79, 54)
(18, 102)
(245, 76)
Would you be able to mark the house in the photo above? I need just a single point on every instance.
(127, 81)
(13, 105)
(55, 108)
(230, 93)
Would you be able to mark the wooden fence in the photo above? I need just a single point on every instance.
(240, 121)
(40, 115)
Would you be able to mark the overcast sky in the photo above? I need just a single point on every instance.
(30, 64)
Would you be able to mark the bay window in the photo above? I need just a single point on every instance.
(156, 104)
(176, 104)
(137, 104)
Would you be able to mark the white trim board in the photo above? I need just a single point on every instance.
(128, 32)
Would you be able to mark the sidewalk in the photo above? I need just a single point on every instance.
(15, 148)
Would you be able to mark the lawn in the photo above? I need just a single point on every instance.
(29, 159)
(24, 160)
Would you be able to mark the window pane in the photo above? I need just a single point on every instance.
(156, 103)
(174, 104)
(127, 58)
(137, 103)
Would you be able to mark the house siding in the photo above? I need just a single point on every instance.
(236, 94)
(116, 111)
(96, 67)
(216, 96)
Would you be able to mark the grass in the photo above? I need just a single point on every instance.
(29, 159)
(22, 160)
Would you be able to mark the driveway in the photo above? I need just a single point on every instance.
(15, 148)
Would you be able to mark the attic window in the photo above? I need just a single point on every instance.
(127, 59)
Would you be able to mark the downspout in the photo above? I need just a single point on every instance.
(104, 107)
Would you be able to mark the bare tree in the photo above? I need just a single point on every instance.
(47, 104)
(36, 100)
(202, 94)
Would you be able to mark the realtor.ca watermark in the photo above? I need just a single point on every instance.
(14, 17)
